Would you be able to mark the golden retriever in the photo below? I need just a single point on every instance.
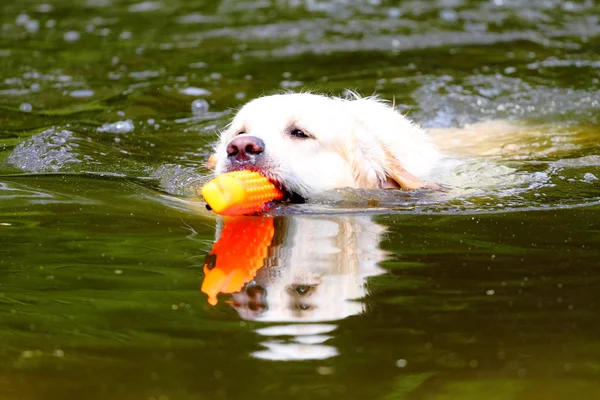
(309, 143)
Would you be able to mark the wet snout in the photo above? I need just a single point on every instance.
(245, 149)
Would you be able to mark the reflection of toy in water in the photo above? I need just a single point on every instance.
(238, 254)
(294, 269)
(239, 193)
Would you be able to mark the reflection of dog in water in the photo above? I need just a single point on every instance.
(295, 269)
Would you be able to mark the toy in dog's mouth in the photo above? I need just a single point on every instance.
(289, 195)
(244, 192)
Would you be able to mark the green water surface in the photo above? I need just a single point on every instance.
(494, 295)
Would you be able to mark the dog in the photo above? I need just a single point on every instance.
(308, 144)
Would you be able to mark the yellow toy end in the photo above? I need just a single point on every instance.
(239, 193)
(222, 192)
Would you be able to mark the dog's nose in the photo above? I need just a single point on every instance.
(243, 148)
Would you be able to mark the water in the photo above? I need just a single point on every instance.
(108, 111)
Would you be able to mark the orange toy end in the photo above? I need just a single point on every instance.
(238, 254)
(239, 193)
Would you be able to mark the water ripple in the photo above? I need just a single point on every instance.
(48, 151)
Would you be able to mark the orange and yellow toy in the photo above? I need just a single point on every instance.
(239, 193)
(238, 254)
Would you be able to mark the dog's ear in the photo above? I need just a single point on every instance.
(395, 173)
(374, 166)
(372, 120)
(211, 163)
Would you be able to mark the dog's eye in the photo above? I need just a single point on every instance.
(298, 133)
(239, 133)
(303, 290)
(303, 307)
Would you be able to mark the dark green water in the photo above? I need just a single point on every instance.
(483, 294)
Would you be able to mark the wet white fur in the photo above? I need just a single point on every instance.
(348, 136)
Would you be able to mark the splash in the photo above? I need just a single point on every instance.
(48, 151)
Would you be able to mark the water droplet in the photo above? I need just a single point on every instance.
(199, 107)
(394, 13)
(200, 64)
(22, 19)
(290, 84)
(82, 93)
(32, 26)
(71, 36)
(449, 15)
(45, 8)
(118, 127)
(26, 107)
(195, 91)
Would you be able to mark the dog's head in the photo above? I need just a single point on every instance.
(307, 144)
